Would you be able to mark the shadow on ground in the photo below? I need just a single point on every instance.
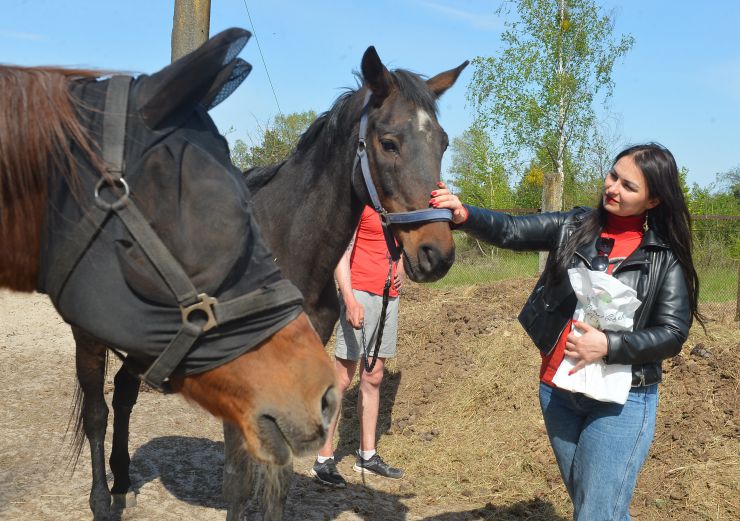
(532, 510)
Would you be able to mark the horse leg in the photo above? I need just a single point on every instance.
(235, 471)
(91, 364)
(253, 491)
(125, 393)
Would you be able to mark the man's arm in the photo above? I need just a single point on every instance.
(355, 313)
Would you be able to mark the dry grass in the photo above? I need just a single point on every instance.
(461, 415)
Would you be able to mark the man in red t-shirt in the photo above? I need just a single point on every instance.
(361, 276)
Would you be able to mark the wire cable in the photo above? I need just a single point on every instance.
(264, 63)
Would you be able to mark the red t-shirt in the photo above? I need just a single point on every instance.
(627, 233)
(369, 260)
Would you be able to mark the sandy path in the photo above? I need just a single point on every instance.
(177, 450)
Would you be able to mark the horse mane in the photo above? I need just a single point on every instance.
(338, 121)
(39, 132)
(258, 176)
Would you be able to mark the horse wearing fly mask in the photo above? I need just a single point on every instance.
(120, 201)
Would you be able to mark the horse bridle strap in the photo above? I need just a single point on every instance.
(200, 312)
(425, 215)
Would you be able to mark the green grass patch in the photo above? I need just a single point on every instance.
(481, 270)
(717, 284)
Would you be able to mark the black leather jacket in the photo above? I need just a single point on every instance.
(663, 320)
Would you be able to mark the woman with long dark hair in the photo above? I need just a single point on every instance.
(640, 233)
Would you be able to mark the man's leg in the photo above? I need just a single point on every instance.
(347, 352)
(368, 404)
(345, 370)
(325, 467)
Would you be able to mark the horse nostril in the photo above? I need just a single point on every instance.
(328, 406)
(428, 258)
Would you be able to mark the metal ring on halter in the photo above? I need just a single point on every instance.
(117, 204)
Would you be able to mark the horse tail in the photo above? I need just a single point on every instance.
(75, 422)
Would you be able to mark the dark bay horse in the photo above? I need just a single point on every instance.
(119, 200)
(308, 208)
(319, 183)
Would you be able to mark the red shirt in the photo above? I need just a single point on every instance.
(369, 260)
(627, 234)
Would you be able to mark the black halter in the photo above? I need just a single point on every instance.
(425, 215)
(199, 311)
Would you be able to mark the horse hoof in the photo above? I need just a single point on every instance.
(123, 501)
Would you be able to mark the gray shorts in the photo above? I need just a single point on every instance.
(349, 339)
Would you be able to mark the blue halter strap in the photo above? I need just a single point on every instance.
(425, 215)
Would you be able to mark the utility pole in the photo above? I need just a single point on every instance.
(190, 26)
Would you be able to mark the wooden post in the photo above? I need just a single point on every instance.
(737, 298)
(190, 26)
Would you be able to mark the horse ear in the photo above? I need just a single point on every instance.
(204, 77)
(444, 80)
(375, 75)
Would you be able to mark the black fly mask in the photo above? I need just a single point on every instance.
(159, 257)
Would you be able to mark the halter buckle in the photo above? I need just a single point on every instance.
(205, 306)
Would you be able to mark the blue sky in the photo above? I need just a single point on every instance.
(680, 84)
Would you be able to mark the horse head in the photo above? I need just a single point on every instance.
(405, 143)
(147, 237)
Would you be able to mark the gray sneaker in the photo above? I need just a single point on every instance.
(327, 473)
(377, 466)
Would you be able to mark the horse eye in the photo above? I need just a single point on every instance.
(389, 146)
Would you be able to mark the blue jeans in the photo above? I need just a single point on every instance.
(600, 447)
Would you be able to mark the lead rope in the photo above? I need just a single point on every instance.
(381, 324)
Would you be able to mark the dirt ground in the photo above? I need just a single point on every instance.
(460, 414)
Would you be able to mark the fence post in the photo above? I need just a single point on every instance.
(737, 301)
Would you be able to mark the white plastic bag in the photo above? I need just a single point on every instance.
(609, 305)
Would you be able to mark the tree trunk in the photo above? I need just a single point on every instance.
(190, 26)
(552, 200)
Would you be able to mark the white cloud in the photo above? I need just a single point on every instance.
(487, 21)
(23, 36)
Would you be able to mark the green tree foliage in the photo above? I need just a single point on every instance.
(716, 237)
(277, 140)
(722, 197)
(538, 93)
(528, 193)
(478, 172)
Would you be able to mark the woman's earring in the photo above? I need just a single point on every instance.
(645, 226)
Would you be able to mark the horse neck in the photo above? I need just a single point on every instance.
(308, 213)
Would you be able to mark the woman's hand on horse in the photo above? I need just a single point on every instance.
(355, 314)
(590, 346)
(443, 198)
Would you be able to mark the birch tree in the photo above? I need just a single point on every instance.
(539, 91)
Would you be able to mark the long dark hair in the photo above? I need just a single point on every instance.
(670, 219)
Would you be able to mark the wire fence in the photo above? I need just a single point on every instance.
(716, 258)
